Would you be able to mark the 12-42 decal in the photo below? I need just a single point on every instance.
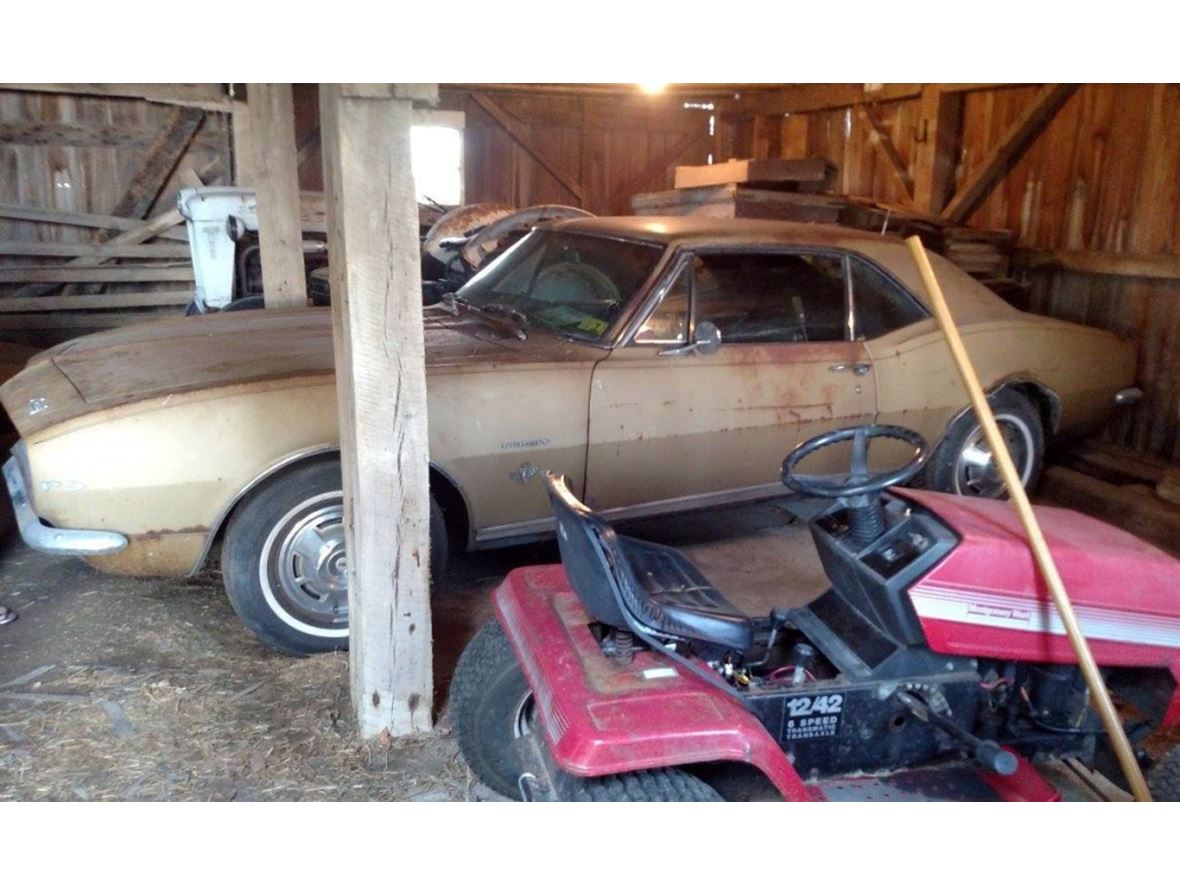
(812, 716)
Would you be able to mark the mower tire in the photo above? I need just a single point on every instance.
(490, 703)
(657, 785)
(1163, 778)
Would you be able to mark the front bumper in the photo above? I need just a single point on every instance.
(39, 536)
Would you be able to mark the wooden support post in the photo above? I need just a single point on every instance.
(940, 121)
(276, 181)
(1011, 147)
(381, 386)
(767, 137)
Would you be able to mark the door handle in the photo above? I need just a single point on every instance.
(857, 368)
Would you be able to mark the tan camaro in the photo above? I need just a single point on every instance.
(660, 364)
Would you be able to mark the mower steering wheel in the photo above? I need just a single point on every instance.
(859, 481)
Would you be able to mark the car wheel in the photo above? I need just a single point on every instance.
(284, 562)
(491, 707)
(963, 464)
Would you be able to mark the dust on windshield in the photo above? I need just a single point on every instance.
(575, 284)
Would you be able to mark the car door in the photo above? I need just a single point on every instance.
(669, 424)
(917, 384)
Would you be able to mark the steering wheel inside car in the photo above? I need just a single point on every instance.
(859, 487)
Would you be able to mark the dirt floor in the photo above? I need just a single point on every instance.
(118, 688)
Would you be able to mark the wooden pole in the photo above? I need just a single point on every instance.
(270, 107)
(1099, 696)
(381, 387)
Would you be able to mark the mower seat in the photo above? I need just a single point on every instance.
(649, 589)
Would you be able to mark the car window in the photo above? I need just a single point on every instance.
(764, 297)
(573, 283)
(668, 323)
(880, 304)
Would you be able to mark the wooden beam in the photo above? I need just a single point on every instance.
(29, 249)
(1155, 267)
(276, 182)
(881, 140)
(936, 144)
(381, 389)
(516, 132)
(1011, 147)
(207, 96)
(56, 134)
(91, 274)
(116, 301)
(38, 215)
(808, 97)
(159, 162)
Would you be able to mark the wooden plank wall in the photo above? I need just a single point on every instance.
(611, 147)
(1103, 177)
(79, 153)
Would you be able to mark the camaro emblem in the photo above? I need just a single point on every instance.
(524, 473)
(37, 405)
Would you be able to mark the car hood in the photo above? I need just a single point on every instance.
(174, 356)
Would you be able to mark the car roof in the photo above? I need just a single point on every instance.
(970, 300)
(699, 231)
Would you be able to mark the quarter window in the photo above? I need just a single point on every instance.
(881, 305)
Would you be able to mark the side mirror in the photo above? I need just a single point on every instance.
(707, 340)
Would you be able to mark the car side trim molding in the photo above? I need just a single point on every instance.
(517, 532)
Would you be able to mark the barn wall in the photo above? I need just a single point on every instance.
(82, 154)
(1103, 177)
(611, 147)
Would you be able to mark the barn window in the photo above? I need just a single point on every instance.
(436, 152)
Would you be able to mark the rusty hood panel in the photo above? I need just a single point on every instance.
(186, 354)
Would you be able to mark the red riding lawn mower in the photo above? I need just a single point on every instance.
(935, 666)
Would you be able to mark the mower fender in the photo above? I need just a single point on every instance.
(602, 716)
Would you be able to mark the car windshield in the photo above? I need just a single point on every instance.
(574, 284)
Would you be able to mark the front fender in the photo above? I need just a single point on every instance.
(601, 717)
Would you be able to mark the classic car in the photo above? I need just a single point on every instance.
(661, 364)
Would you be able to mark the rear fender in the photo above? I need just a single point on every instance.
(600, 716)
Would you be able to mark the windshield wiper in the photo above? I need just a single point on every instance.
(511, 317)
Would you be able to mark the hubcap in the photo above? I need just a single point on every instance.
(976, 473)
(309, 566)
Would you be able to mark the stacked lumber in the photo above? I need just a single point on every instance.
(799, 190)
(127, 269)
(809, 174)
(1136, 492)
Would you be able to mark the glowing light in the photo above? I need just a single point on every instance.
(652, 88)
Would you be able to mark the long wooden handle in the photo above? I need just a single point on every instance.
(1019, 498)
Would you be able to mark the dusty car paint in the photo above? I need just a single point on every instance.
(155, 431)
